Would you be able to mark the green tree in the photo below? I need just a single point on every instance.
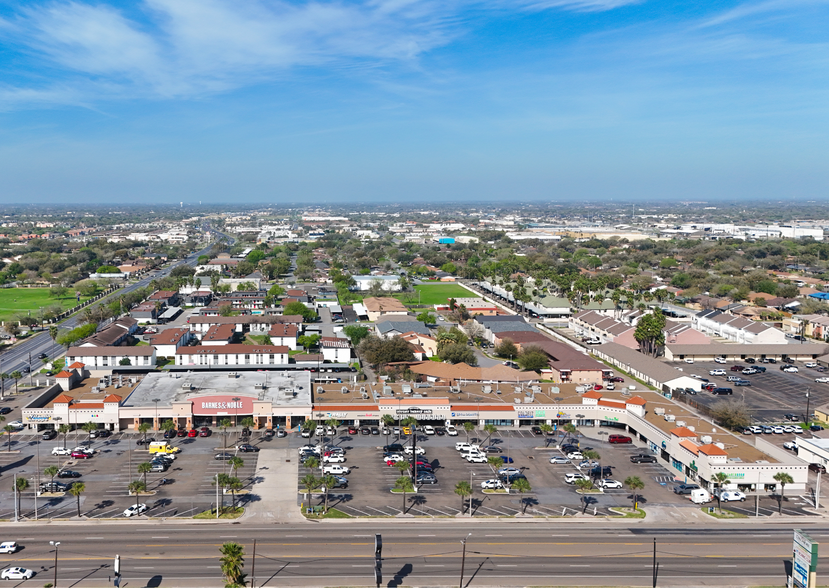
(224, 424)
(234, 484)
(463, 489)
(356, 334)
(64, 430)
(144, 468)
(377, 351)
(506, 349)
(235, 463)
(593, 455)
(404, 484)
(143, 428)
(584, 486)
(733, 414)
(522, 486)
(719, 479)
(490, 430)
(388, 422)
(16, 377)
(89, 428)
(328, 482)
(9, 430)
(76, 490)
(635, 483)
(298, 308)
(53, 333)
(21, 484)
(233, 565)
(468, 427)
(169, 425)
(308, 341)
(426, 317)
(310, 481)
(458, 353)
(137, 487)
(782, 478)
(571, 430)
(51, 471)
(547, 430)
(495, 462)
(650, 332)
(533, 358)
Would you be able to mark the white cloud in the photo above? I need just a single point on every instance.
(580, 5)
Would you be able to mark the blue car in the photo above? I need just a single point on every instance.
(507, 459)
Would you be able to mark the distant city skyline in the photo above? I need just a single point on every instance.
(164, 101)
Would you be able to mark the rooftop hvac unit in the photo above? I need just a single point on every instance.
(487, 389)
(691, 428)
(720, 445)
(528, 399)
(387, 391)
(344, 390)
(406, 388)
(670, 418)
(681, 424)
(659, 410)
(320, 390)
(259, 386)
(231, 375)
(706, 439)
(187, 386)
(94, 389)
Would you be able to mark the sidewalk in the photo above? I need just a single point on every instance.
(275, 490)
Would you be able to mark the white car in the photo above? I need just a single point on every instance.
(306, 433)
(16, 425)
(418, 450)
(716, 373)
(491, 485)
(756, 429)
(335, 469)
(319, 432)
(395, 457)
(689, 360)
(572, 477)
(719, 359)
(790, 445)
(559, 459)
(575, 455)
(451, 431)
(61, 451)
(732, 496)
(777, 430)
(788, 429)
(135, 509)
(330, 431)
(8, 547)
(797, 431)
(791, 369)
(476, 458)
(610, 386)
(17, 574)
(429, 429)
(610, 484)
(823, 380)
(462, 446)
(333, 459)
(587, 464)
(810, 364)
(86, 450)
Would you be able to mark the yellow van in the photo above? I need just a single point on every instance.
(163, 447)
(407, 430)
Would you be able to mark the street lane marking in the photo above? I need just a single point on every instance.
(434, 565)
(360, 566)
(159, 537)
(727, 566)
(493, 535)
(94, 538)
(579, 565)
(428, 535)
(361, 535)
(227, 536)
(507, 565)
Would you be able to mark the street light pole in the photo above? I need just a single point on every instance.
(155, 424)
(236, 406)
(808, 399)
(463, 558)
(56, 544)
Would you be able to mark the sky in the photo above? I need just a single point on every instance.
(359, 101)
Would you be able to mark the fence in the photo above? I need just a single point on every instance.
(84, 304)
(694, 403)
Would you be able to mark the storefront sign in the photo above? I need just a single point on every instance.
(525, 413)
(610, 418)
(413, 411)
(804, 560)
(336, 415)
(461, 415)
(38, 418)
(210, 405)
(736, 476)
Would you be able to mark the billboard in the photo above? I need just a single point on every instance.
(804, 560)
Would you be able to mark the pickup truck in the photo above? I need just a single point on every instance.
(642, 458)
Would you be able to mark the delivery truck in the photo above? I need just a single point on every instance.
(700, 496)
(163, 447)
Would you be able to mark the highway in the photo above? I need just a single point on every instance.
(26, 352)
(418, 553)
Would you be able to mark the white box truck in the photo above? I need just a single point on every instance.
(700, 496)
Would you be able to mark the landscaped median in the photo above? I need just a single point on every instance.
(628, 513)
(722, 513)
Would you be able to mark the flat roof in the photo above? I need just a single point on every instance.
(278, 387)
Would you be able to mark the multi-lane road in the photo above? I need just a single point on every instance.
(26, 352)
(414, 553)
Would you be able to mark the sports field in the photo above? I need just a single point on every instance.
(16, 301)
(441, 292)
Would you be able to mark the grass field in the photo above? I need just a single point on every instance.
(439, 293)
(15, 301)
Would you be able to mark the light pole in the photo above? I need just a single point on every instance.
(463, 558)
(55, 544)
(155, 424)
(470, 492)
(808, 399)
(236, 406)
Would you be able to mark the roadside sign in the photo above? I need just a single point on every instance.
(804, 561)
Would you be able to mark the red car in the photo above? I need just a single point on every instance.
(192, 433)
(597, 386)
(80, 455)
(352, 430)
(204, 432)
(617, 379)
(182, 432)
(619, 439)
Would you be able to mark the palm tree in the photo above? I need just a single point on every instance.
(522, 485)
(468, 427)
(76, 490)
(546, 429)
(89, 427)
(311, 483)
(16, 376)
(223, 425)
(143, 428)
(571, 430)
(463, 489)
(490, 430)
(782, 478)
(51, 471)
(720, 478)
(64, 430)
(137, 487)
(9, 430)
(635, 483)
(3, 377)
(404, 484)
(247, 422)
(388, 422)
(584, 485)
(235, 463)
(143, 469)
(328, 482)
(20, 484)
(594, 455)
(168, 425)
(233, 564)
(234, 484)
(495, 462)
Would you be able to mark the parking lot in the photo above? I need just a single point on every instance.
(370, 480)
(107, 476)
(771, 394)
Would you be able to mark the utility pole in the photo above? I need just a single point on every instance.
(117, 569)
(463, 558)
(55, 544)
(808, 399)
(253, 567)
(378, 559)
(16, 502)
(655, 565)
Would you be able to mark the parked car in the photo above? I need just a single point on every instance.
(810, 364)
(426, 478)
(575, 455)
(352, 430)
(135, 509)
(491, 485)
(732, 496)
(619, 439)
(335, 469)
(610, 484)
(451, 431)
(573, 476)
(99, 434)
(408, 450)
(642, 458)
(719, 359)
(81, 455)
(333, 458)
(685, 488)
(5, 410)
(718, 372)
(428, 430)
(790, 369)
(365, 431)
(493, 449)
(61, 451)
(737, 368)
(815, 428)
(816, 467)
(68, 474)
(339, 482)
(53, 487)
(750, 360)
(742, 383)
(557, 459)
(49, 434)
(822, 380)
(247, 448)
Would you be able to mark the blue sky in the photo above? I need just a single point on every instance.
(399, 100)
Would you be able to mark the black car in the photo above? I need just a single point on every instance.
(816, 467)
(42, 355)
(603, 472)
(5, 410)
(146, 441)
(170, 434)
(642, 458)
(393, 448)
(99, 434)
(493, 449)
(49, 434)
(440, 431)
(365, 431)
(54, 487)
(815, 428)
(750, 360)
(247, 448)
(268, 434)
(511, 478)
(426, 478)
(375, 431)
(68, 474)
(569, 448)
(537, 431)
(685, 488)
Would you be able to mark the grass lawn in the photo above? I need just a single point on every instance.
(14, 301)
(441, 292)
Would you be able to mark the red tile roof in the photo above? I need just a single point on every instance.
(64, 374)
(113, 398)
(592, 394)
(63, 399)
(712, 449)
(683, 432)
(636, 400)
(690, 446)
